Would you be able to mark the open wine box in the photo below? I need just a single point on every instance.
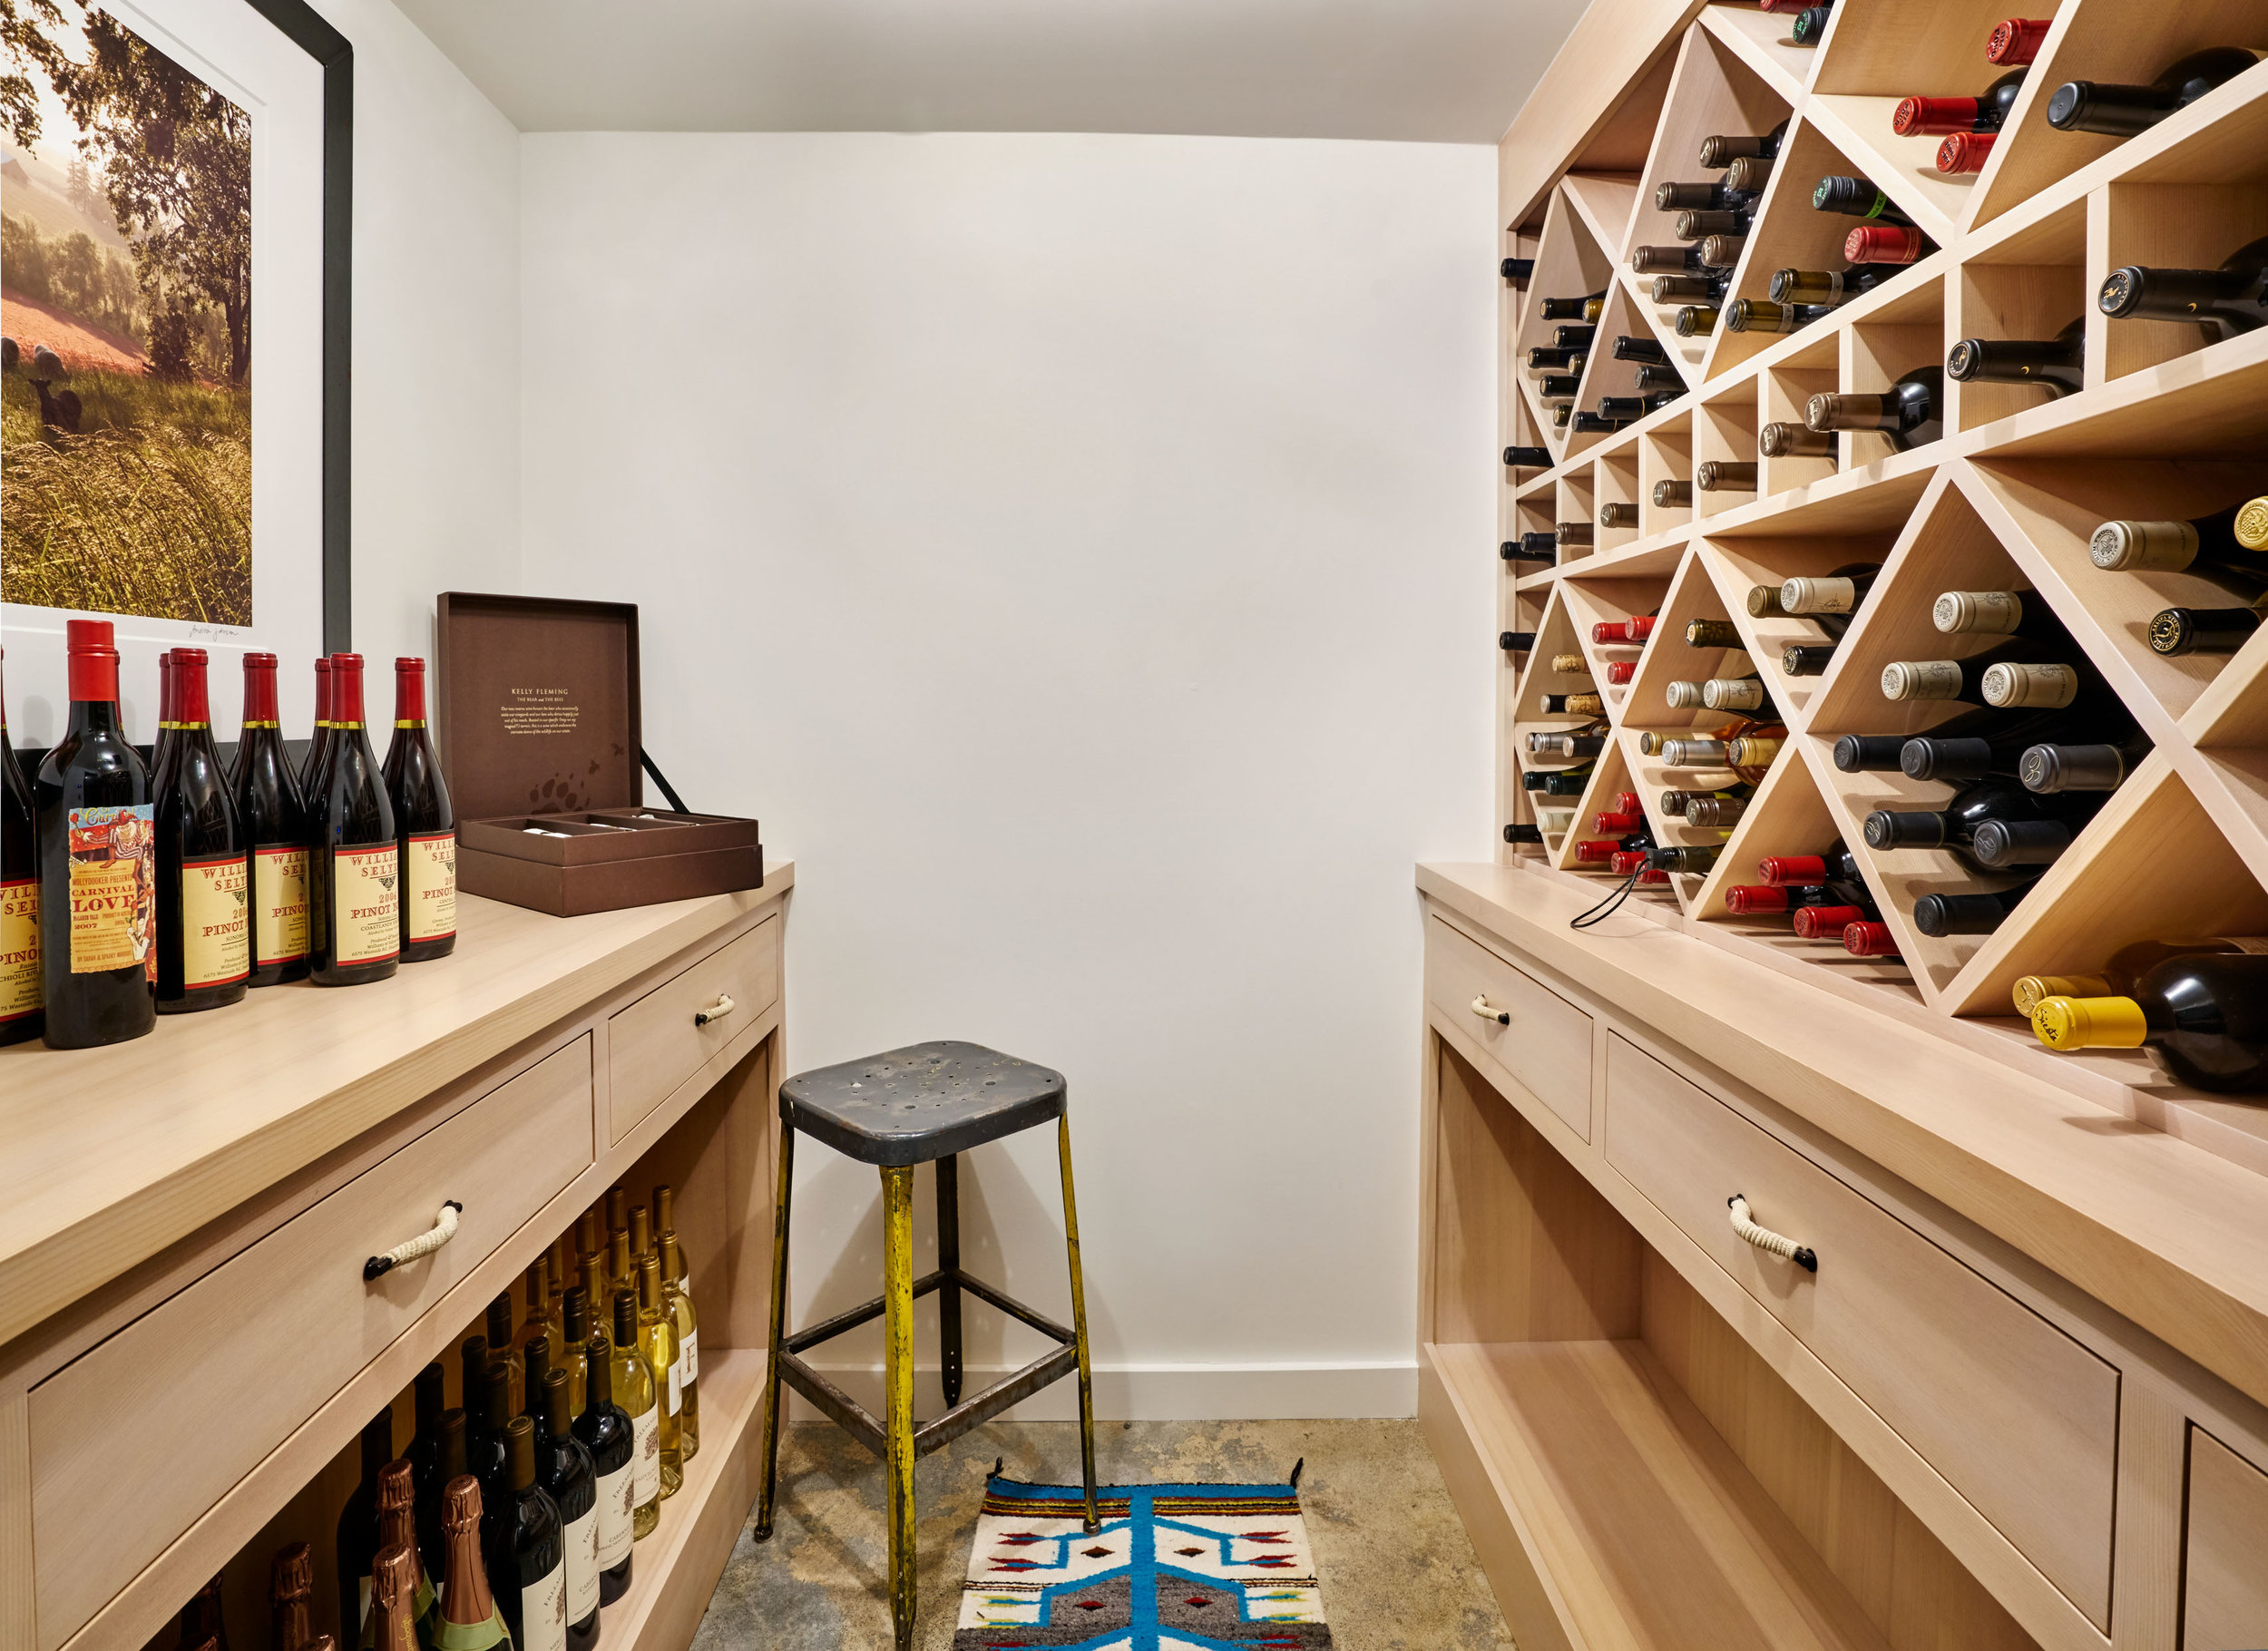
(539, 710)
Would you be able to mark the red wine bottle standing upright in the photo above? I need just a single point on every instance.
(20, 996)
(354, 861)
(91, 809)
(269, 807)
(425, 822)
(204, 918)
(312, 764)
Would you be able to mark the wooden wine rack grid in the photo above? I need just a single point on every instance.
(2166, 427)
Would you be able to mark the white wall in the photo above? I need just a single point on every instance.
(1074, 547)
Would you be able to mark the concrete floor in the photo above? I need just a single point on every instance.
(1398, 1573)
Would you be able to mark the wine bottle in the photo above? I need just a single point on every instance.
(1571, 310)
(168, 711)
(535, 1326)
(1718, 152)
(358, 1527)
(1617, 513)
(1911, 413)
(204, 877)
(2017, 40)
(563, 1468)
(1737, 694)
(1647, 351)
(1810, 26)
(1886, 244)
(1518, 832)
(1992, 822)
(93, 820)
(1628, 409)
(2116, 977)
(353, 860)
(2203, 1019)
(1528, 458)
(1655, 380)
(677, 1291)
(1572, 534)
(1721, 197)
(1806, 659)
(448, 1461)
(202, 1623)
(2121, 110)
(489, 1456)
(291, 1596)
(22, 994)
(1554, 387)
(2050, 769)
(1516, 641)
(273, 817)
(1596, 424)
(2219, 546)
(633, 1384)
(474, 1354)
(1518, 271)
(605, 1431)
(1531, 547)
(1970, 680)
(1572, 705)
(657, 1338)
(535, 1360)
(470, 1621)
(1705, 812)
(1965, 152)
(1696, 320)
(572, 1362)
(1825, 288)
(2225, 302)
(1566, 782)
(1758, 315)
(424, 821)
(1830, 600)
(1673, 495)
(1709, 288)
(1726, 476)
(428, 1399)
(1850, 197)
(2054, 364)
(504, 1344)
(2174, 632)
(394, 1624)
(1570, 747)
(1938, 915)
(312, 764)
(1781, 440)
(398, 1528)
(1720, 253)
(1546, 359)
(1935, 116)
(1748, 174)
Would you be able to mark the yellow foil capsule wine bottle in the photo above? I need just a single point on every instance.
(688, 1322)
(658, 1339)
(632, 1381)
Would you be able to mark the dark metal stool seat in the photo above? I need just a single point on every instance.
(925, 1103)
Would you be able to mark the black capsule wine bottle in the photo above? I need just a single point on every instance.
(1596, 424)
(1530, 547)
(2055, 365)
(353, 857)
(358, 1537)
(94, 820)
(2121, 110)
(1857, 197)
(1938, 915)
(1566, 782)
(424, 820)
(1518, 271)
(2175, 631)
(488, 1451)
(204, 879)
(1936, 116)
(1653, 379)
(604, 1430)
(1558, 387)
(2203, 1019)
(568, 1476)
(2049, 767)
(1517, 641)
(2225, 302)
(1528, 458)
(273, 814)
(22, 992)
(319, 736)
(1911, 413)
(448, 1463)
(1807, 659)
(1520, 833)
(1810, 26)
(1993, 823)
(1549, 359)
(526, 1549)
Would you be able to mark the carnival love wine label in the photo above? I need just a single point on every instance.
(618, 1501)
(113, 888)
(280, 934)
(20, 989)
(366, 913)
(581, 1548)
(216, 921)
(543, 1612)
(429, 880)
(645, 1454)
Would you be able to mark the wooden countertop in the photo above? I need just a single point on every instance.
(109, 1155)
(2160, 1230)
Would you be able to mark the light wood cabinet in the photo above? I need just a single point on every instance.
(1531, 1035)
(2225, 1590)
(197, 1404)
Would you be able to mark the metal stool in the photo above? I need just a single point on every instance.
(927, 1101)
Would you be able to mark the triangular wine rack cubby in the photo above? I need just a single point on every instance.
(2166, 424)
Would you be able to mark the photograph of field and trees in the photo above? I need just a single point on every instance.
(125, 324)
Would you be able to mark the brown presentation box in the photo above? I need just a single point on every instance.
(539, 710)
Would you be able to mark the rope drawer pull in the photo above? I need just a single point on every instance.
(1764, 1238)
(1488, 1011)
(443, 1229)
(715, 1011)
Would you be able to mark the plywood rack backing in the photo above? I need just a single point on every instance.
(2167, 426)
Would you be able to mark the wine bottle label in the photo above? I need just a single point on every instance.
(689, 1347)
(543, 1612)
(677, 1385)
(2047, 686)
(583, 1566)
(618, 1500)
(113, 888)
(20, 990)
(429, 878)
(645, 1455)
(365, 915)
(216, 921)
(280, 915)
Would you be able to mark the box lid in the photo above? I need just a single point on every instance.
(538, 703)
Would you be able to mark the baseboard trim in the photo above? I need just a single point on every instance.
(1171, 1392)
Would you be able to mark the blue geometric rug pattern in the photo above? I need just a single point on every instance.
(1173, 1568)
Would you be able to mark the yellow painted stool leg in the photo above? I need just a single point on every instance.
(1078, 1319)
(768, 1474)
(898, 1327)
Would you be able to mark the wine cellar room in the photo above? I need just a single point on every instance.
(1527, 743)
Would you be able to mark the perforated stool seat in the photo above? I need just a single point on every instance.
(926, 1103)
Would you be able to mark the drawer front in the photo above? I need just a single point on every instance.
(216, 1377)
(2224, 1591)
(2019, 1418)
(1546, 1049)
(654, 1045)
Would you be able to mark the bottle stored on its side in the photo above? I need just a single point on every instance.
(564, 1467)
(2017, 40)
(1673, 495)
(2122, 111)
(2175, 631)
(2225, 302)
(422, 819)
(526, 1552)
(1828, 601)
(1726, 476)
(2048, 768)
(1993, 823)
(1875, 243)
(1528, 458)
(1935, 116)
(1806, 659)
(354, 859)
(1758, 315)
(2116, 977)
(319, 736)
(398, 1528)
(2055, 365)
(1911, 413)
(1851, 196)
(1810, 26)
(1531, 547)
(204, 877)
(1965, 152)
(470, 1620)
(95, 822)
(632, 1381)
(1719, 152)
(604, 1429)
(358, 1527)
(1564, 781)
(1825, 288)
(1940, 914)
(1782, 440)
(1572, 309)
(1518, 271)
(21, 993)
(1722, 196)
(291, 1598)
(273, 816)
(2202, 1018)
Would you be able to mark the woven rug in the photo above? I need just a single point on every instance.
(1173, 1568)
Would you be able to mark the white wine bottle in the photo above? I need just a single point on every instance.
(632, 1382)
(681, 1301)
(658, 1339)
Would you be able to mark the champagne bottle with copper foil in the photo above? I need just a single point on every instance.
(425, 820)
(469, 1619)
(202, 1623)
(2204, 1018)
(94, 820)
(353, 860)
(273, 815)
(565, 1470)
(398, 1529)
(21, 993)
(319, 736)
(204, 879)
(358, 1548)
(291, 1598)
(687, 1323)
(604, 1430)
(658, 1339)
(527, 1555)
(632, 1382)
(393, 1620)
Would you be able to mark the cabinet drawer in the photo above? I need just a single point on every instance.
(2020, 1419)
(653, 1045)
(2224, 1591)
(1546, 1049)
(137, 1438)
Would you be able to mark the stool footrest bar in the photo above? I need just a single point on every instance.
(827, 1330)
(1040, 1322)
(981, 1408)
(839, 1406)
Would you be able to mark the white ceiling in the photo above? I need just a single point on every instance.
(1450, 71)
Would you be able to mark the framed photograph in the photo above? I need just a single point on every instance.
(176, 215)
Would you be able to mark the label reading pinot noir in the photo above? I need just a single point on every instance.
(366, 913)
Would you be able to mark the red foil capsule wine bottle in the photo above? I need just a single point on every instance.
(424, 821)
(21, 991)
(1935, 116)
(273, 814)
(353, 857)
(311, 764)
(204, 881)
